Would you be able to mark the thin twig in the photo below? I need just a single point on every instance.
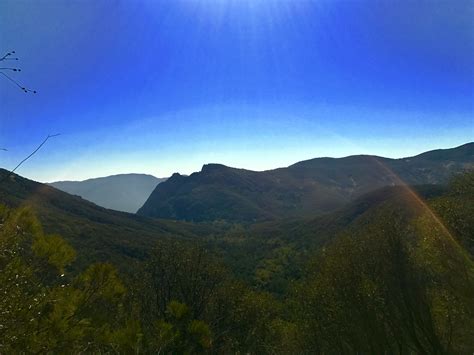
(12, 80)
(29, 156)
(6, 57)
(18, 84)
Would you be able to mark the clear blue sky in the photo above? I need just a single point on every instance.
(164, 86)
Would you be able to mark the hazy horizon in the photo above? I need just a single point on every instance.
(239, 167)
(163, 87)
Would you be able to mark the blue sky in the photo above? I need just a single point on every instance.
(164, 86)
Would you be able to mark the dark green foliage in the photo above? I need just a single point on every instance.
(101, 235)
(457, 209)
(401, 283)
(180, 272)
(43, 309)
(179, 332)
(390, 273)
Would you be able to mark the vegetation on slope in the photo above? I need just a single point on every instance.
(304, 189)
(101, 234)
(389, 278)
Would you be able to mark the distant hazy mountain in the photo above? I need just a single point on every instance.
(124, 192)
(99, 234)
(306, 188)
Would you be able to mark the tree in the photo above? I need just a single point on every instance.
(43, 308)
(183, 272)
(178, 332)
(397, 283)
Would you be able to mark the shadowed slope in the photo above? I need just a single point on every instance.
(306, 188)
(100, 233)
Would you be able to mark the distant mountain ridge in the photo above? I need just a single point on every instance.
(102, 234)
(123, 192)
(307, 188)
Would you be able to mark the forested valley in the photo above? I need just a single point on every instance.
(391, 273)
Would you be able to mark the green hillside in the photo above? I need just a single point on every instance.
(101, 234)
(305, 189)
(393, 271)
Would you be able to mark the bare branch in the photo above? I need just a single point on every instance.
(17, 83)
(29, 156)
(7, 57)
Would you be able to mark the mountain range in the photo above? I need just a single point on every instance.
(106, 235)
(308, 188)
(123, 192)
(102, 234)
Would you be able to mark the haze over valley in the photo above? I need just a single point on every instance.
(124, 192)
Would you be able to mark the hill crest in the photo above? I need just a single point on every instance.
(306, 188)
